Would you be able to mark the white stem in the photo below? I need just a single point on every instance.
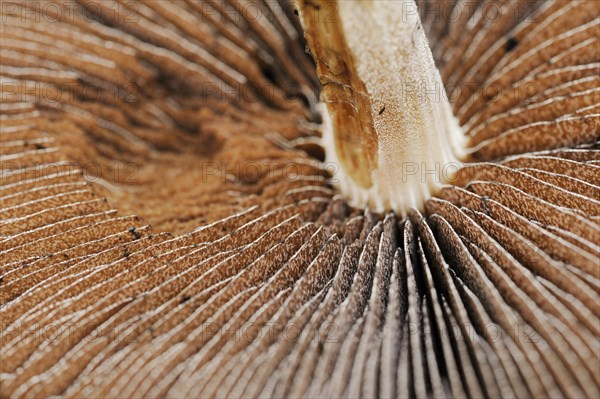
(397, 92)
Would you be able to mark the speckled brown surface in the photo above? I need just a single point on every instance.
(268, 284)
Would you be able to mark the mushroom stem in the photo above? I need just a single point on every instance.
(388, 125)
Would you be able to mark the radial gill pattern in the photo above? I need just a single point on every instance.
(256, 278)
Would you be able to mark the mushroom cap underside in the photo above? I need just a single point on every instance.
(256, 277)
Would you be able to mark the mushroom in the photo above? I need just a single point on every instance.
(409, 210)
